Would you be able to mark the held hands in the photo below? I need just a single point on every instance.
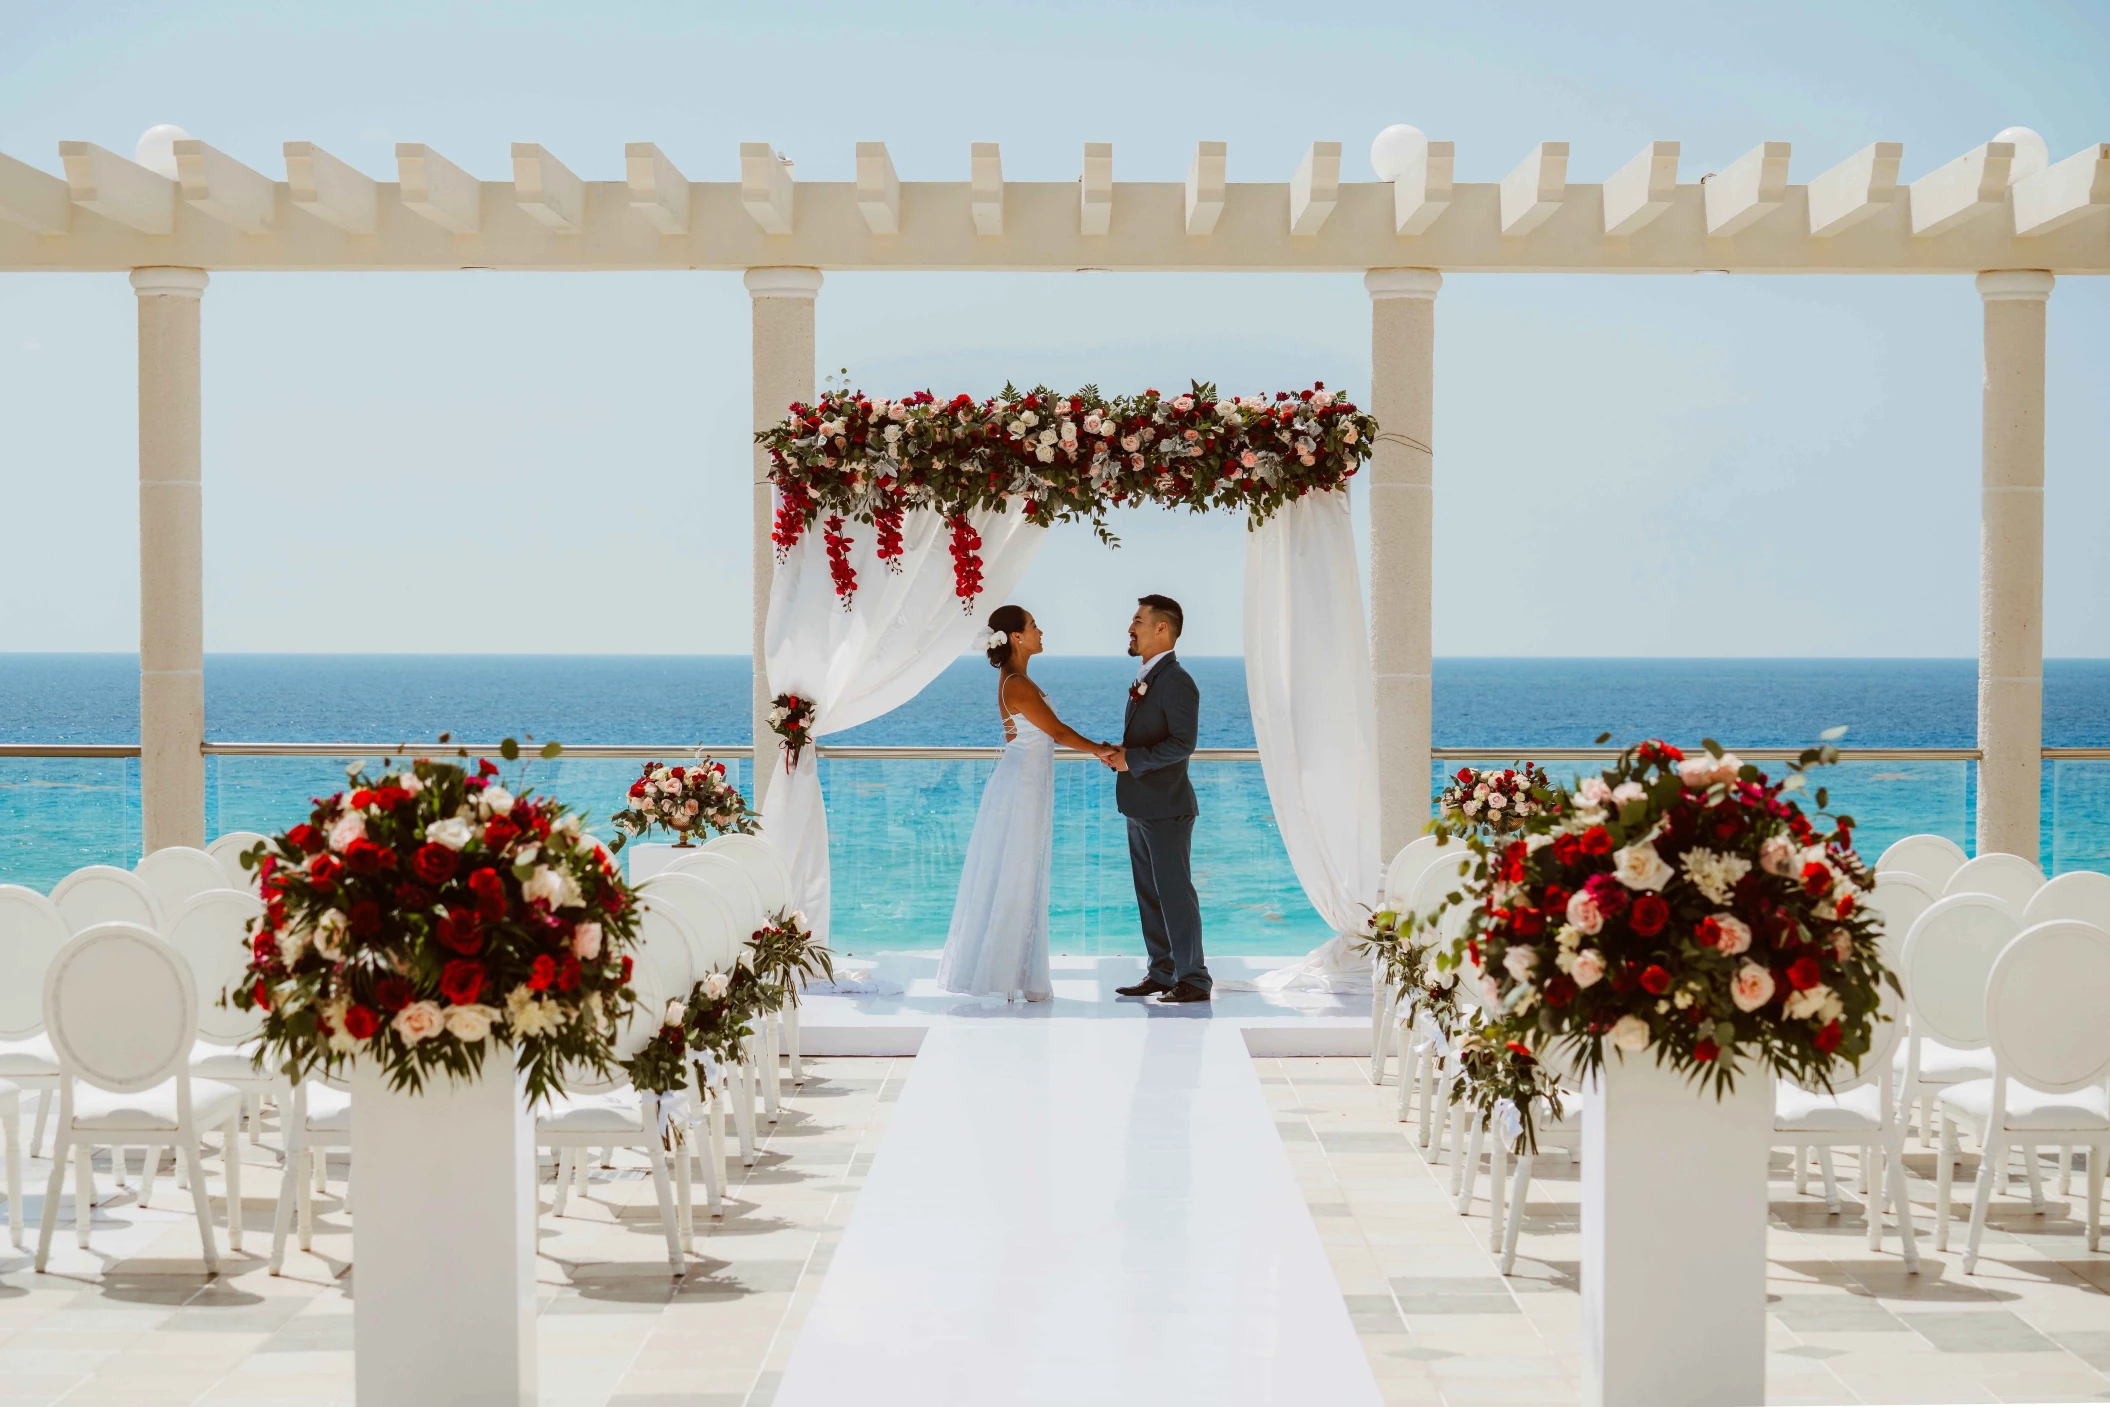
(1113, 756)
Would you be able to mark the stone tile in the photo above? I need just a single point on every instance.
(1980, 1331)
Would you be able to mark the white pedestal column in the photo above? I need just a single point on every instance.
(443, 1242)
(171, 561)
(1674, 1239)
(783, 363)
(1402, 538)
(2011, 563)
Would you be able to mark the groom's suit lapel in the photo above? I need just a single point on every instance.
(1157, 672)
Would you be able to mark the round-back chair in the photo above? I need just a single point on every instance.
(97, 894)
(1947, 957)
(178, 874)
(212, 933)
(758, 859)
(1900, 897)
(2078, 894)
(2008, 877)
(743, 900)
(1406, 867)
(710, 919)
(229, 849)
(1932, 857)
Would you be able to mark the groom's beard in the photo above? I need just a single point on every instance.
(1133, 648)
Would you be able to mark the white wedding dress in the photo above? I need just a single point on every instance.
(998, 945)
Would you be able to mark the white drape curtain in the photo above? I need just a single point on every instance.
(902, 629)
(1307, 669)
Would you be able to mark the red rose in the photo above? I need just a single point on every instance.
(624, 976)
(390, 797)
(435, 863)
(499, 833)
(1816, 879)
(1554, 899)
(1705, 1050)
(413, 898)
(1528, 923)
(261, 994)
(1803, 973)
(611, 897)
(543, 973)
(1649, 915)
(1654, 980)
(360, 1022)
(361, 799)
(362, 856)
(458, 930)
(264, 946)
(485, 767)
(324, 869)
(1560, 990)
(393, 993)
(490, 892)
(365, 917)
(568, 974)
(1597, 841)
(1827, 1040)
(1846, 904)
(306, 839)
(1519, 1048)
(462, 981)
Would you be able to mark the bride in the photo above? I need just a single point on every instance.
(998, 945)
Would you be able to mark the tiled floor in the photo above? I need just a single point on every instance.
(134, 1321)
(1440, 1325)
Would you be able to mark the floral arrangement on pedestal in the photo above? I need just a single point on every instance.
(424, 917)
(1068, 457)
(791, 718)
(1495, 802)
(784, 956)
(1683, 907)
(684, 799)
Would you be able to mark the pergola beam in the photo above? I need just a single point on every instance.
(1205, 187)
(439, 190)
(1642, 189)
(35, 200)
(1534, 190)
(766, 188)
(1855, 189)
(2064, 192)
(878, 189)
(547, 190)
(1753, 187)
(985, 201)
(1095, 212)
(119, 190)
(224, 188)
(658, 190)
(1973, 185)
(1423, 190)
(1315, 189)
(330, 190)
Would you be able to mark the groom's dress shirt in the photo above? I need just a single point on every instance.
(1143, 669)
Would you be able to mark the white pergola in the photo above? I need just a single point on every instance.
(2001, 212)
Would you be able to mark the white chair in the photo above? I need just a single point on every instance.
(1424, 1071)
(106, 894)
(2078, 894)
(229, 849)
(11, 1131)
(772, 880)
(1398, 888)
(1932, 857)
(709, 928)
(2044, 1008)
(594, 1113)
(122, 1014)
(1564, 1133)
(2008, 877)
(31, 933)
(212, 933)
(1859, 1111)
(1947, 958)
(178, 874)
(1900, 897)
(316, 1116)
(743, 901)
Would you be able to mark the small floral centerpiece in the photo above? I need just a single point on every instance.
(721, 1012)
(426, 917)
(661, 1065)
(1504, 1084)
(1495, 802)
(685, 800)
(791, 718)
(784, 954)
(1683, 906)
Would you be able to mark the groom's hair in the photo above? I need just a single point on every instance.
(1165, 608)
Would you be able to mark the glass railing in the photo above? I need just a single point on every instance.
(899, 820)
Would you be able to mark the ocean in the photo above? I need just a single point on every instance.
(898, 828)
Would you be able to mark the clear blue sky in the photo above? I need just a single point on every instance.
(1699, 466)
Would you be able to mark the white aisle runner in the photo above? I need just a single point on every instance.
(1072, 1211)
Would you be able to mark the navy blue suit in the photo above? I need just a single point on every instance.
(1155, 795)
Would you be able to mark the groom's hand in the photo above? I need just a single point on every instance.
(1115, 757)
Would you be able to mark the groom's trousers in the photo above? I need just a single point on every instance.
(1159, 853)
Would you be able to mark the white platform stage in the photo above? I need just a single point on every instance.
(894, 1019)
(1076, 1210)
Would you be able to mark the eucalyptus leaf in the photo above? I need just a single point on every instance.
(551, 749)
(509, 749)
(1714, 749)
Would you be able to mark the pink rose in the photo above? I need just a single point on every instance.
(1777, 856)
(586, 942)
(1732, 934)
(419, 1021)
(1593, 792)
(1751, 988)
(1584, 914)
(1842, 944)
(1588, 967)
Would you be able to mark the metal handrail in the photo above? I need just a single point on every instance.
(849, 752)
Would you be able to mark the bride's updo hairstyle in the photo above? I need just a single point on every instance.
(1005, 619)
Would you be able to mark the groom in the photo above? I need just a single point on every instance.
(1157, 737)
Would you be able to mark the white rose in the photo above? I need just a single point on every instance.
(1630, 1033)
(330, 929)
(291, 943)
(1628, 791)
(350, 826)
(717, 984)
(1593, 792)
(1588, 967)
(419, 1021)
(1520, 962)
(498, 801)
(1640, 867)
(470, 1024)
(410, 783)
(675, 1012)
(1045, 454)
(1030, 418)
(1129, 442)
(454, 832)
(586, 941)
(1807, 1003)
(1497, 802)
(893, 434)
(552, 886)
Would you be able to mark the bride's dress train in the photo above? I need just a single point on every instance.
(998, 945)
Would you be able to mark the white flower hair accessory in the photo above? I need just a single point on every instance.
(999, 637)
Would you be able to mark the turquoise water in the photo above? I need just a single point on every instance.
(899, 828)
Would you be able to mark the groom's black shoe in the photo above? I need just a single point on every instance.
(1186, 992)
(1148, 987)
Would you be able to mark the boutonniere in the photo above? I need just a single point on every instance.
(1137, 690)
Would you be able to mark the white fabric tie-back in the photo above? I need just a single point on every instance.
(900, 633)
(1308, 681)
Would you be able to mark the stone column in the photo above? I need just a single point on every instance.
(783, 365)
(1402, 520)
(2011, 563)
(171, 562)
